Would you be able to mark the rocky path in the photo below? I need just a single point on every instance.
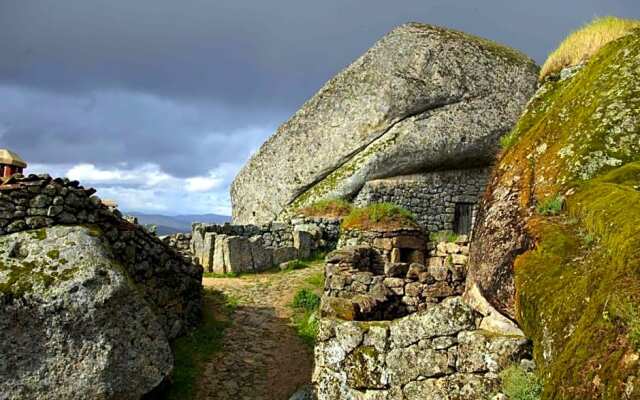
(262, 357)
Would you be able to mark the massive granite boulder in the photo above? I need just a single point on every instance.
(88, 301)
(422, 98)
(556, 246)
(72, 323)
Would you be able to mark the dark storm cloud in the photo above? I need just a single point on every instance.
(195, 83)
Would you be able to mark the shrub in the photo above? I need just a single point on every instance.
(379, 215)
(585, 42)
(306, 325)
(551, 206)
(332, 208)
(306, 299)
(519, 384)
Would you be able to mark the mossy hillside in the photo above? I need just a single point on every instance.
(575, 129)
(329, 208)
(580, 138)
(577, 297)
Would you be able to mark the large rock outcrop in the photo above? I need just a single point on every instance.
(72, 323)
(420, 99)
(557, 241)
(89, 302)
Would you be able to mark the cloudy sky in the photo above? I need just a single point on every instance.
(158, 103)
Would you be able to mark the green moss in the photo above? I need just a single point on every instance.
(443, 236)
(519, 384)
(579, 138)
(39, 234)
(379, 216)
(551, 205)
(24, 277)
(332, 208)
(574, 298)
(54, 254)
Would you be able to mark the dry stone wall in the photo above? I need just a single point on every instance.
(250, 248)
(392, 330)
(169, 281)
(432, 196)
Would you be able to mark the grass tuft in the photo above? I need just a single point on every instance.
(443, 236)
(330, 208)
(306, 299)
(551, 206)
(305, 319)
(581, 45)
(379, 215)
(519, 384)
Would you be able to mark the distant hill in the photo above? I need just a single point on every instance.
(168, 225)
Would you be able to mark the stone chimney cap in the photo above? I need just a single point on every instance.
(8, 157)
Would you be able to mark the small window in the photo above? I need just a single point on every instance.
(463, 218)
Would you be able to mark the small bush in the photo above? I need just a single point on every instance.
(585, 42)
(551, 206)
(379, 215)
(331, 208)
(519, 384)
(443, 236)
(316, 280)
(306, 299)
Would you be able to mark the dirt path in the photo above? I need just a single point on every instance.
(262, 357)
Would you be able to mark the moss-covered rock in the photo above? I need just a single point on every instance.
(73, 324)
(575, 282)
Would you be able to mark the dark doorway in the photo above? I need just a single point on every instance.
(463, 218)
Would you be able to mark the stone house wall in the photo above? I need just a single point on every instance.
(431, 196)
(170, 282)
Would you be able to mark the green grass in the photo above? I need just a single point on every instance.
(193, 349)
(379, 215)
(316, 280)
(306, 299)
(218, 275)
(519, 384)
(306, 303)
(443, 236)
(551, 206)
(581, 45)
(331, 208)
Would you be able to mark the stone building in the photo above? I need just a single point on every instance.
(441, 200)
(10, 163)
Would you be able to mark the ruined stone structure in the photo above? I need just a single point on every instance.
(402, 331)
(441, 200)
(249, 248)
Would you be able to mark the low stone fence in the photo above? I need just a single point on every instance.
(249, 248)
(399, 330)
(170, 282)
(179, 241)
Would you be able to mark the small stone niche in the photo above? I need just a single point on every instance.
(405, 245)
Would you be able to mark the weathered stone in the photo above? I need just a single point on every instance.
(284, 254)
(237, 254)
(409, 363)
(219, 262)
(262, 257)
(454, 387)
(447, 318)
(85, 329)
(394, 121)
(396, 270)
(303, 242)
(481, 351)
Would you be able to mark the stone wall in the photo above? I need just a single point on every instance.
(403, 331)
(179, 241)
(432, 196)
(170, 282)
(250, 248)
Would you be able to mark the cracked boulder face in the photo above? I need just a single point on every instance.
(73, 324)
(420, 99)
